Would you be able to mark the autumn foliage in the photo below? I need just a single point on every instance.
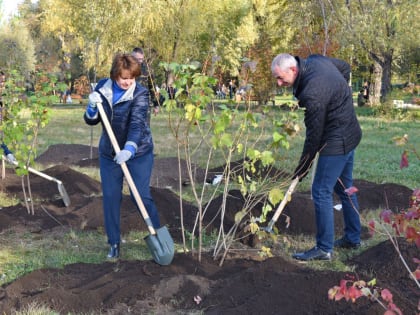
(405, 223)
(351, 289)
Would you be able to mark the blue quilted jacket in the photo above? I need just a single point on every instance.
(128, 118)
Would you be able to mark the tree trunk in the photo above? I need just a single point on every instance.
(381, 76)
(386, 74)
(376, 86)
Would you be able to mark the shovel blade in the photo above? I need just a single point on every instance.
(64, 195)
(161, 246)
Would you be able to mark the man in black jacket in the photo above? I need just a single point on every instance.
(321, 85)
(146, 79)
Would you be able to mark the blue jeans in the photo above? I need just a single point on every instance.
(112, 184)
(329, 169)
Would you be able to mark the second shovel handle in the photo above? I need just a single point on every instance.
(285, 200)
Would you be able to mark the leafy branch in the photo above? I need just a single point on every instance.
(24, 114)
(232, 130)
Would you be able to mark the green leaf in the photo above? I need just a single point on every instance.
(254, 227)
(239, 216)
(275, 196)
(277, 136)
(267, 158)
(226, 140)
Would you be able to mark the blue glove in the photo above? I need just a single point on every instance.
(92, 110)
(125, 154)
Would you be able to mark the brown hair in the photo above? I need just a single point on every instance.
(124, 62)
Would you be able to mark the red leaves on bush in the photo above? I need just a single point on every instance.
(416, 273)
(404, 160)
(415, 199)
(348, 290)
(351, 190)
(371, 227)
(386, 216)
(411, 234)
(352, 290)
(405, 223)
(386, 295)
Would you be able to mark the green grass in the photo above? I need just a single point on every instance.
(23, 252)
(67, 126)
(377, 157)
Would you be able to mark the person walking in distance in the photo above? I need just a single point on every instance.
(126, 103)
(321, 85)
(146, 79)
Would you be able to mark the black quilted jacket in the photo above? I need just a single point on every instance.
(128, 118)
(322, 89)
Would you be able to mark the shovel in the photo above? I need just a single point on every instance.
(159, 241)
(60, 186)
(286, 199)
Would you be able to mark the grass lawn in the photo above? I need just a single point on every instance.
(377, 156)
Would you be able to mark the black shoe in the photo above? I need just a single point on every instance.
(313, 254)
(345, 243)
(114, 251)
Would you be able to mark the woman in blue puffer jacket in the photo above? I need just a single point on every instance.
(126, 104)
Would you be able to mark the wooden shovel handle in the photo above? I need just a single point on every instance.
(285, 199)
(126, 172)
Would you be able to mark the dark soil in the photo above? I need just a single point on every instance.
(244, 284)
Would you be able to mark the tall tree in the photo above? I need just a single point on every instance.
(381, 29)
(264, 15)
(16, 48)
(98, 29)
(183, 31)
(311, 27)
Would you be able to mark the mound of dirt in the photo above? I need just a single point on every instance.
(245, 284)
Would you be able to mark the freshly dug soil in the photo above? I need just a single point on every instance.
(244, 284)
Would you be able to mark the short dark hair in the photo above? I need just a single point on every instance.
(124, 62)
(138, 50)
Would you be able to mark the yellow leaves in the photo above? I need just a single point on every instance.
(275, 196)
(254, 227)
(239, 147)
(400, 141)
(192, 112)
(265, 252)
(240, 215)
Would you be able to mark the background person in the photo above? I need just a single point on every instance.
(232, 89)
(332, 129)
(146, 79)
(126, 104)
(363, 96)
